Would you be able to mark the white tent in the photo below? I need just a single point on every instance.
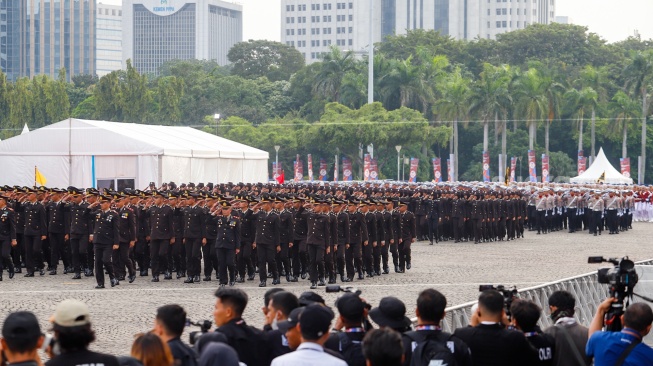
(599, 167)
(87, 153)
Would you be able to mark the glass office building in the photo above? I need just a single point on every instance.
(158, 31)
(108, 39)
(43, 36)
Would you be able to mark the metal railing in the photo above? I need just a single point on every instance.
(585, 288)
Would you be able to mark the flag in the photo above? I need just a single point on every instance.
(601, 178)
(39, 178)
(507, 177)
(281, 178)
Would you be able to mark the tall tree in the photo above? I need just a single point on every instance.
(453, 105)
(334, 66)
(489, 97)
(532, 104)
(624, 110)
(579, 103)
(274, 60)
(57, 102)
(170, 90)
(594, 78)
(21, 105)
(108, 98)
(639, 75)
(136, 96)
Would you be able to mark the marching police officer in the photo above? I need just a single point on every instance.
(127, 229)
(227, 245)
(106, 239)
(36, 230)
(194, 234)
(78, 231)
(7, 236)
(267, 241)
(161, 235)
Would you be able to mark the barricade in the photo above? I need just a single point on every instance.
(585, 288)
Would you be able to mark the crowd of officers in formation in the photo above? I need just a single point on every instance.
(320, 231)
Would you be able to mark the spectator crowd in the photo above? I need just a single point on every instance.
(305, 330)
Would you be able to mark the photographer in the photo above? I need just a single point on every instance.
(525, 315)
(73, 334)
(570, 337)
(169, 325)
(21, 339)
(623, 348)
(349, 342)
(489, 341)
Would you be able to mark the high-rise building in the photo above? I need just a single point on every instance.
(108, 39)
(156, 31)
(313, 26)
(43, 36)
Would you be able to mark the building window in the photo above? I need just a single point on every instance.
(498, 11)
(326, 18)
(351, 5)
(351, 42)
(488, 24)
(351, 29)
(287, 7)
(326, 6)
(504, 24)
(498, 24)
(351, 18)
(504, 11)
(488, 12)
(517, 11)
(518, 23)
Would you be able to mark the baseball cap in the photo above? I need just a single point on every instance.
(291, 321)
(21, 325)
(351, 307)
(71, 313)
(315, 321)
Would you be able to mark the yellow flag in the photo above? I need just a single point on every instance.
(507, 175)
(601, 178)
(39, 178)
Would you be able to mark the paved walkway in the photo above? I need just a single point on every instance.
(454, 269)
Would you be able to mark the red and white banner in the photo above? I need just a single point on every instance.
(335, 170)
(414, 164)
(347, 172)
(545, 168)
(299, 170)
(449, 171)
(367, 163)
(532, 168)
(513, 168)
(310, 168)
(323, 170)
(374, 169)
(625, 167)
(486, 166)
(581, 163)
(274, 171)
(437, 169)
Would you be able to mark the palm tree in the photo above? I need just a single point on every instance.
(553, 91)
(595, 79)
(639, 74)
(453, 105)
(532, 104)
(624, 110)
(334, 66)
(579, 102)
(489, 97)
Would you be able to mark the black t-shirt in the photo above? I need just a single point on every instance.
(492, 345)
(459, 349)
(85, 357)
(545, 346)
(183, 355)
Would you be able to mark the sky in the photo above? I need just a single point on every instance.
(611, 19)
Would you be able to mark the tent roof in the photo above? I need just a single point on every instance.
(86, 137)
(600, 166)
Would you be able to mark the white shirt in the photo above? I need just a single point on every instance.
(308, 354)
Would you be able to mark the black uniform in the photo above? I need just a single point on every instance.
(343, 242)
(56, 234)
(106, 234)
(357, 236)
(267, 241)
(247, 232)
(299, 252)
(35, 228)
(7, 235)
(407, 237)
(225, 246)
(286, 236)
(127, 228)
(142, 248)
(161, 231)
(194, 231)
(78, 230)
(317, 240)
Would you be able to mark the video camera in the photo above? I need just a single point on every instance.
(205, 326)
(509, 294)
(622, 279)
(338, 288)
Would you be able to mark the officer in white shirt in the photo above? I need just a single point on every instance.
(314, 323)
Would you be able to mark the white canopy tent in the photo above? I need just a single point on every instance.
(87, 153)
(600, 167)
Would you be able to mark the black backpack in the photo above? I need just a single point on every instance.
(352, 351)
(432, 351)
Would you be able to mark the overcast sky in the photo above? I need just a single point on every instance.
(612, 20)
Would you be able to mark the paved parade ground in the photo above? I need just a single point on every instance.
(454, 269)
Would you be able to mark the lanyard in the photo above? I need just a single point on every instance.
(530, 334)
(427, 327)
(354, 330)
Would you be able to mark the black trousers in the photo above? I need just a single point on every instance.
(541, 221)
(266, 255)
(103, 253)
(142, 253)
(226, 268)
(329, 263)
(368, 257)
(611, 219)
(210, 259)
(158, 255)
(193, 249)
(244, 259)
(316, 261)
(58, 250)
(5, 255)
(404, 253)
(458, 227)
(339, 256)
(283, 259)
(18, 252)
(299, 256)
(177, 255)
(353, 259)
(121, 260)
(434, 235)
(33, 252)
(376, 255)
(596, 224)
(571, 218)
(79, 249)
